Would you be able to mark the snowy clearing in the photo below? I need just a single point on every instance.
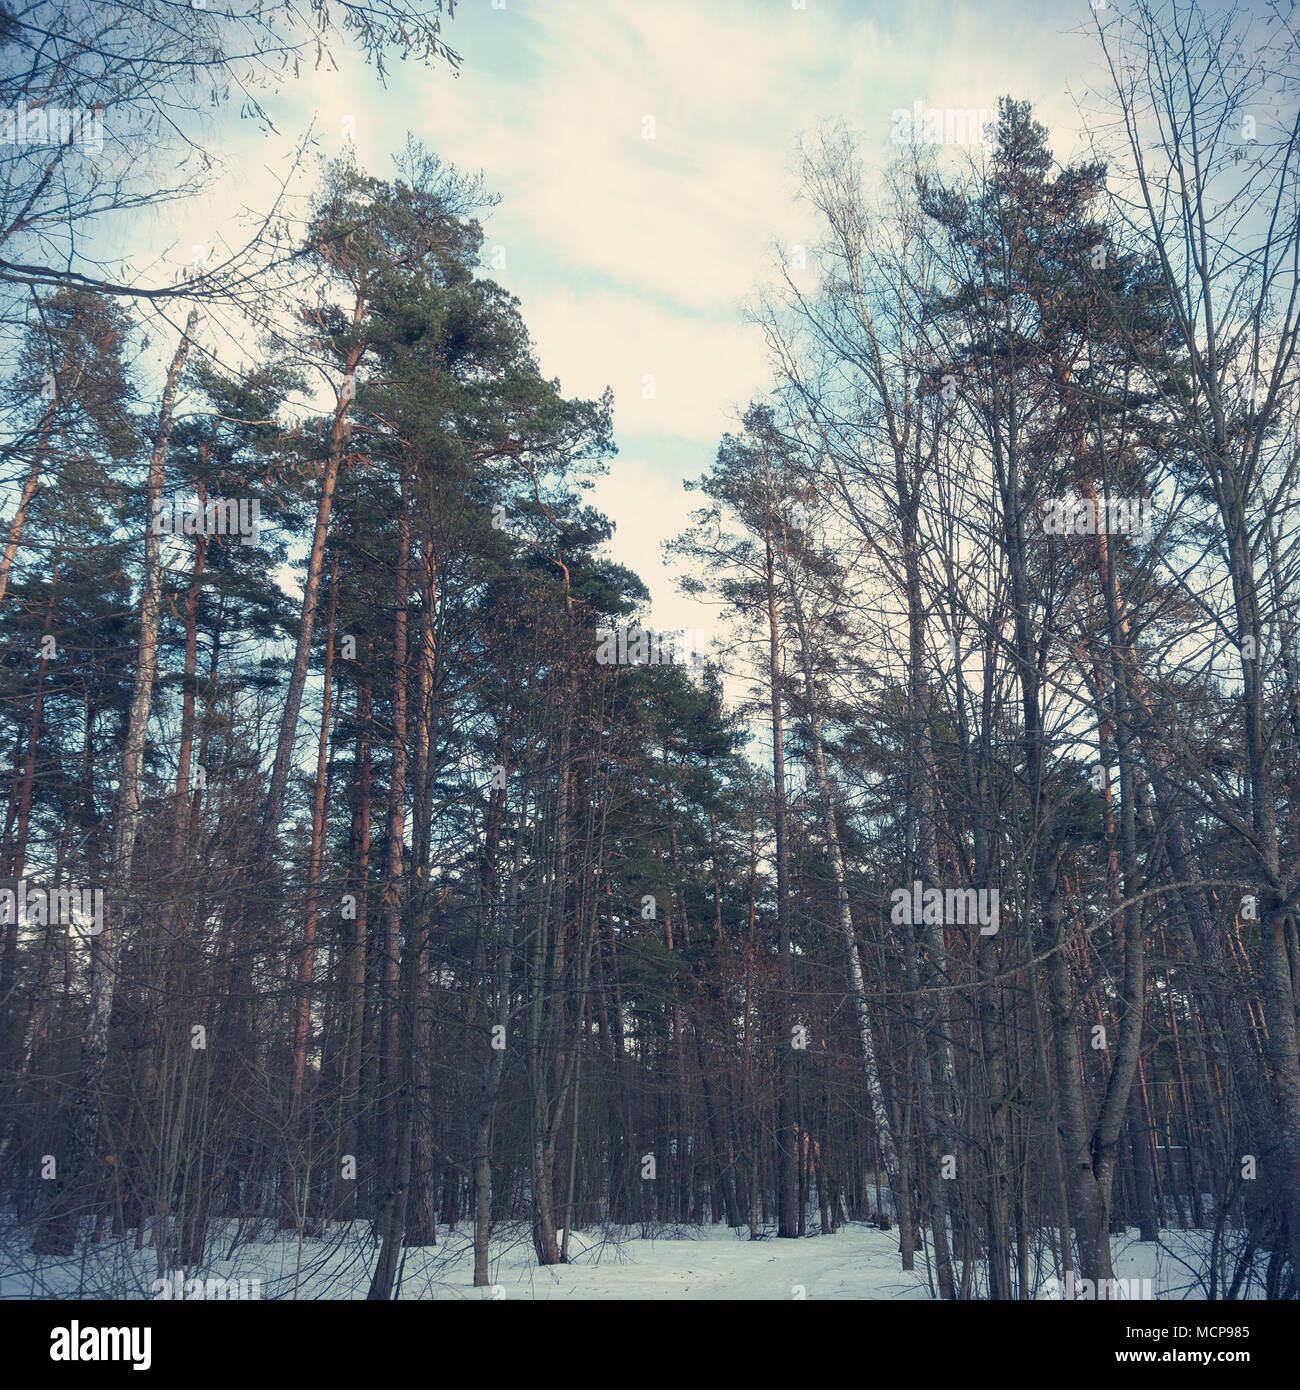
(858, 1262)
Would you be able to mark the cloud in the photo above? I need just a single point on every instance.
(644, 497)
(670, 373)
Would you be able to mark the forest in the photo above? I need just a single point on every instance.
(379, 879)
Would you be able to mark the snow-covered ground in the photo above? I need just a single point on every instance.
(859, 1262)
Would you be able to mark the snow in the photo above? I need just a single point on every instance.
(708, 1263)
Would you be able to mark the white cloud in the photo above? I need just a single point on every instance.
(649, 505)
(703, 369)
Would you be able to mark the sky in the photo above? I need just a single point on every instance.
(643, 151)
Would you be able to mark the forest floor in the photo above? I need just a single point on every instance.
(712, 1262)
